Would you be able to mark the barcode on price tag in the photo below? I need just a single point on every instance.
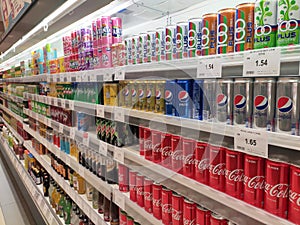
(71, 105)
(209, 68)
(100, 111)
(265, 62)
(107, 77)
(119, 74)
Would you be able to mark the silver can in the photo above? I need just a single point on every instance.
(160, 44)
(195, 35)
(209, 99)
(151, 51)
(171, 42)
(264, 103)
(224, 98)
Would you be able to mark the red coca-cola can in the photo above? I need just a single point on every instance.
(188, 149)
(254, 179)
(189, 212)
(156, 149)
(177, 209)
(123, 178)
(294, 197)
(140, 190)
(148, 195)
(177, 154)
(141, 140)
(202, 216)
(123, 217)
(217, 167)
(132, 185)
(147, 143)
(277, 188)
(216, 219)
(156, 204)
(234, 177)
(166, 152)
(130, 220)
(166, 206)
(202, 162)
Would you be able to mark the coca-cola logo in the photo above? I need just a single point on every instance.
(256, 182)
(294, 197)
(148, 196)
(278, 190)
(188, 221)
(157, 148)
(203, 164)
(218, 169)
(166, 151)
(178, 155)
(176, 215)
(166, 208)
(139, 191)
(236, 175)
(148, 145)
(189, 159)
(156, 202)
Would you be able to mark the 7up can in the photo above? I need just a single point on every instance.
(288, 18)
(182, 31)
(170, 42)
(194, 37)
(244, 27)
(226, 31)
(265, 24)
(209, 34)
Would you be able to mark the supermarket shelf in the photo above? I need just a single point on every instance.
(12, 97)
(19, 118)
(28, 79)
(35, 191)
(14, 132)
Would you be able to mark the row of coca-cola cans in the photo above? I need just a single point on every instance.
(163, 203)
(265, 183)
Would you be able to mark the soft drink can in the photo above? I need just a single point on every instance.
(156, 143)
(225, 40)
(277, 188)
(288, 18)
(216, 219)
(136, 50)
(132, 185)
(123, 90)
(141, 140)
(166, 150)
(188, 148)
(254, 180)
(99, 32)
(106, 34)
(209, 33)
(143, 40)
(170, 97)
(244, 27)
(116, 30)
(148, 199)
(96, 60)
(170, 42)
(151, 51)
(114, 54)
(121, 51)
(150, 96)
(94, 34)
(157, 194)
(182, 31)
(234, 177)
(202, 216)
(177, 209)
(147, 143)
(184, 101)
(287, 105)
(106, 57)
(264, 103)
(189, 212)
(224, 101)
(128, 49)
(177, 154)
(160, 44)
(217, 155)
(166, 206)
(142, 98)
(106, 93)
(140, 190)
(160, 96)
(197, 97)
(242, 104)
(209, 99)
(202, 163)
(294, 196)
(113, 91)
(265, 24)
(123, 217)
(194, 37)
(123, 178)
(130, 220)
(134, 89)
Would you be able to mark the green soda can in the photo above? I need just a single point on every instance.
(265, 24)
(288, 16)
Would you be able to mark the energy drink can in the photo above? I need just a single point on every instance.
(225, 41)
(170, 42)
(160, 96)
(244, 27)
(265, 24)
(224, 101)
(194, 37)
(182, 40)
(209, 33)
(160, 44)
(150, 96)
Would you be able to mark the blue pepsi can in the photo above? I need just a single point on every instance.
(170, 99)
(184, 101)
(197, 97)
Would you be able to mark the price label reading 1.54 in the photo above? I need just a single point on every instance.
(262, 62)
(209, 67)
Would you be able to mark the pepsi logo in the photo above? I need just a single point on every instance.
(133, 93)
(222, 100)
(168, 95)
(141, 93)
(126, 92)
(158, 94)
(239, 101)
(149, 93)
(284, 104)
(260, 102)
(183, 96)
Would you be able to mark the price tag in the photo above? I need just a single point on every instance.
(72, 133)
(264, 62)
(85, 140)
(119, 74)
(100, 111)
(251, 141)
(62, 77)
(71, 105)
(107, 77)
(119, 199)
(79, 77)
(69, 78)
(85, 77)
(63, 103)
(119, 155)
(209, 67)
(55, 102)
(119, 114)
(61, 128)
(103, 148)
(93, 77)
